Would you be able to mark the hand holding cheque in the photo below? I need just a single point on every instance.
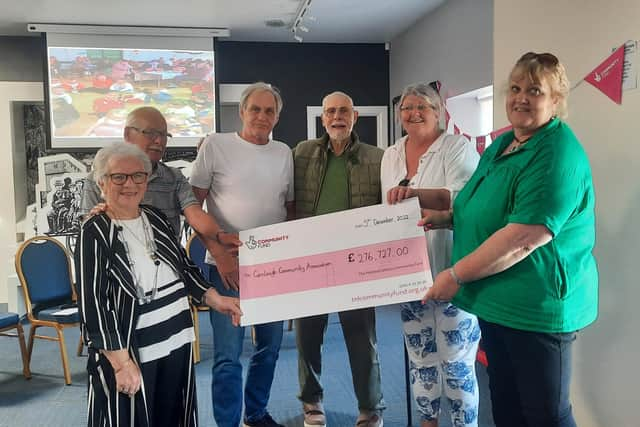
(342, 261)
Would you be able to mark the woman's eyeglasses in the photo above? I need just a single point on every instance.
(121, 178)
(420, 107)
(546, 58)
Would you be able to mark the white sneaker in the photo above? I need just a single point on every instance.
(370, 419)
(314, 415)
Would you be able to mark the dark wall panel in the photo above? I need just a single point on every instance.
(305, 73)
(21, 59)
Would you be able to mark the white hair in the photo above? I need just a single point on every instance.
(134, 115)
(118, 150)
(337, 92)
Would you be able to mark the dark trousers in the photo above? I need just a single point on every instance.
(166, 383)
(529, 376)
(359, 329)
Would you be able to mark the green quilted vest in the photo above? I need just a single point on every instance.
(363, 171)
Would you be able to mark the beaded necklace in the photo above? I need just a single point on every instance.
(519, 143)
(151, 249)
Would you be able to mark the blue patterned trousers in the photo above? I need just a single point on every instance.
(442, 342)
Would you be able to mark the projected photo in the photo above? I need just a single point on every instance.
(91, 91)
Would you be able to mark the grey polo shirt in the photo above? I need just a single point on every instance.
(167, 190)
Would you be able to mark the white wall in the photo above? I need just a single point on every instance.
(453, 44)
(472, 115)
(10, 93)
(581, 34)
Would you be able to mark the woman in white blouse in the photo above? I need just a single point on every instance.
(441, 339)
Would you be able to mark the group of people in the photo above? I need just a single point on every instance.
(510, 238)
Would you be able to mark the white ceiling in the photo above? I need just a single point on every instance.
(349, 21)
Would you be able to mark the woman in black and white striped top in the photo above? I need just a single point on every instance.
(134, 282)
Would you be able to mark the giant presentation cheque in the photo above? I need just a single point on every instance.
(352, 259)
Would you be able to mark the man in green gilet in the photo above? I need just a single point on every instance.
(334, 173)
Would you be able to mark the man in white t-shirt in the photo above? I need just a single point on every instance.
(247, 180)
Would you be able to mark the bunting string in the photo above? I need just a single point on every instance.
(606, 77)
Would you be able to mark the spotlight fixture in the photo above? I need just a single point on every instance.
(297, 23)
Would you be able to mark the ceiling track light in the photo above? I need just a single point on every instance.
(297, 21)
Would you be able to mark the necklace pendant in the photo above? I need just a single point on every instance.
(145, 299)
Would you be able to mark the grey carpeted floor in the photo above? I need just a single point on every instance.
(46, 401)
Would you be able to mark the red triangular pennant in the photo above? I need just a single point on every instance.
(456, 130)
(467, 136)
(480, 143)
(607, 77)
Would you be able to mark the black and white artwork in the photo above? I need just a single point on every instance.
(58, 165)
(58, 204)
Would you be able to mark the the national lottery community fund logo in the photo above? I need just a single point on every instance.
(254, 243)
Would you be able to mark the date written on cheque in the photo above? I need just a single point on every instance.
(377, 255)
(372, 222)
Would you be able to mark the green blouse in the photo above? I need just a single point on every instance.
(548, 182)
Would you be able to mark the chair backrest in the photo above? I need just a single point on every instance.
(44, 269)
(197, 252)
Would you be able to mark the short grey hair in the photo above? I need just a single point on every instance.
(134, 115)
(424, 91)
(118, 150)
(337, 92)
(259, 87)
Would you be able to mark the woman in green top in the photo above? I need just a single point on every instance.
(524, 231)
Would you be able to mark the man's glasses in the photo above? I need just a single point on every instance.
(255, 110)
(153, 134)
(547, 59)
(420, 108)
(341, 111)
(121, 178)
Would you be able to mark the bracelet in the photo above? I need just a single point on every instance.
(455, 277)
(122, 366)
(218, 233)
